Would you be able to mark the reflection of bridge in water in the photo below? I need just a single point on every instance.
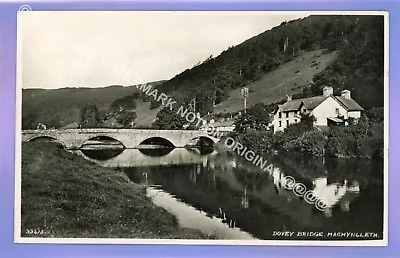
(271, 191)
(137, 158)
(219, 188)
(129, 138)
(223, 187)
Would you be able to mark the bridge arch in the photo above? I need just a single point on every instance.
(101, 137)
(161, 141)
(46, 137)
(100, 155)
(204, 141)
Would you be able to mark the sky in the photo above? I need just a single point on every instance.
(97, 49)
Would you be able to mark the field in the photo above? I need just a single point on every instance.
(288, 79)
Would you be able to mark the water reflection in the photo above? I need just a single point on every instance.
(224, 195)
(191, 217)
(147, 157)
(101, 155)
(156, 152)
(201, 150)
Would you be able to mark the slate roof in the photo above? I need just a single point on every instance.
(309, 103)
(313, 102)
(349, 104)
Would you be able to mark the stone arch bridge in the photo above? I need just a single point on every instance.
(129, 138)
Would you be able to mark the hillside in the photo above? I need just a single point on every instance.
(289, 79)
(357, 40)
(62, 107)
(296, 58)
(145, 116)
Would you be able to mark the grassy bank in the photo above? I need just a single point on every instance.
(64, 195)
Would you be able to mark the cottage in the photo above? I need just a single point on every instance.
(327, 110)
(222, 125)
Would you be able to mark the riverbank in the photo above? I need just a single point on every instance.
(66, 196)
(362, 140)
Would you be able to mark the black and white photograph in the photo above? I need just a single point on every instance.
(202, 127)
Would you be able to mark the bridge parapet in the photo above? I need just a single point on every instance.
(130, 138)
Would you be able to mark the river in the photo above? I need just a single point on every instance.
(223, 195)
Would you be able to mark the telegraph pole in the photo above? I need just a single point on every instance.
(192, 105)
(245, 94)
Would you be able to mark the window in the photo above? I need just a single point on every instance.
(337, 111)
(280, 123)
(287, 114)
(287, 122)
(280, 114)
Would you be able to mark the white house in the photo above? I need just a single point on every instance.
(327, 109)
(222, 125)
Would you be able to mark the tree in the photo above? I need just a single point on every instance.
(54, 122)
(137, 95)
(375, 115)
(294, 131)
(125, 103)
(256, 117)
(29, 120)
(168, 120)
(126, 118)
(363, 139)
(90, 117)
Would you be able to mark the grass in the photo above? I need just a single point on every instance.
(145, 116)
(285, 80)
(66, 196)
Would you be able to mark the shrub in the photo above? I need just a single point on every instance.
(311, 142)
(257, 141)
(364, 139)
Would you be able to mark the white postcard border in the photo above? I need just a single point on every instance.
(17, 183)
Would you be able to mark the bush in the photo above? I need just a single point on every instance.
(258, 141)
(338, 142)
(311, 142)
(363, 139)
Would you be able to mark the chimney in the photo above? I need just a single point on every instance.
(288, 98)
(346, 94)
(327, 91)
